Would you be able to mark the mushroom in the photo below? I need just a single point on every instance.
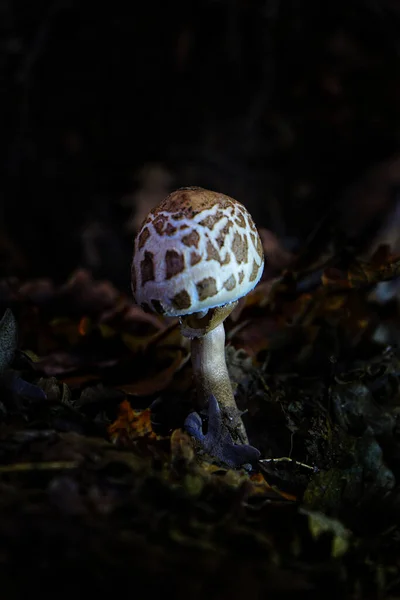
(195, 255)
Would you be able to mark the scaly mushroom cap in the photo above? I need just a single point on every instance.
(196, 250)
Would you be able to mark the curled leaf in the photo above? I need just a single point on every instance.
(130, 425)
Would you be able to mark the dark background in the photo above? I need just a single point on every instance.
(291, 107)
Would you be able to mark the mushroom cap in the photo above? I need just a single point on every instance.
(196, 250)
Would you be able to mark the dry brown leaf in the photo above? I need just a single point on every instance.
(130, 425)
(260, 487)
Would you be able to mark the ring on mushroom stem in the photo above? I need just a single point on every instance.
(195, 255)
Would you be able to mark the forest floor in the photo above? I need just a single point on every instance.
(102, 491)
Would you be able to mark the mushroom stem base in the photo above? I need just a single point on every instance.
(212, 377)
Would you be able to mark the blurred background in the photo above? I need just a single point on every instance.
(291, 107)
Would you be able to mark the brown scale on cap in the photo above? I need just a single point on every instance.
(254, 272)
(143, 237)
(213, 254)
(240, 248)
(189, 250)
(240, 220)
(223, 233)
(188, 202)
(174, 262)
(181, 300)
(163, 227)
(147, 268)
(206, 288)
(230, 283)
(211, 220)
(195, 258)
(191, 239)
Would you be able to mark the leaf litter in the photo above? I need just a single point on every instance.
(94, 394)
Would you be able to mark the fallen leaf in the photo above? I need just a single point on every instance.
(131, 424)
(260, 487)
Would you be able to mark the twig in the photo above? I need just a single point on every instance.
(291, 460)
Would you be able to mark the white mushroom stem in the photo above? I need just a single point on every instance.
(209, 367)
